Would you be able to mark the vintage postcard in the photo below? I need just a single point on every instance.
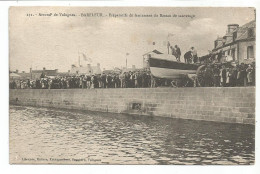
(132, 85)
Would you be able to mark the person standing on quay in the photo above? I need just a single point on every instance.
(243, 74)
(228, 77)
(249, 71)
(223, 76)
(103, 80)
(122, 80)
(88, 81)
(194, 55)
(135, 75)
(178, 53)
(216, 73)
(233, 77)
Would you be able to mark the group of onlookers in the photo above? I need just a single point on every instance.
(229, 76)
(213, 75)
(136, 79)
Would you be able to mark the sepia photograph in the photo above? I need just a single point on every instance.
(132, 85)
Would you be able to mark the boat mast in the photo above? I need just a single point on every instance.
(79, 58)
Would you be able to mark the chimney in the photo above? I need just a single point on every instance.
(30, 70)
(17, 71)
(232, 27)
(218, 41)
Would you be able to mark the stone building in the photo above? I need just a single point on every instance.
(46, 72)
(36, 74)
(238, 43)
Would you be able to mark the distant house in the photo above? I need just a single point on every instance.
(64, 74)
(85, 70)
(238, 43)
(115, 70)
(14, 76)
(36, 74)
(24, 75)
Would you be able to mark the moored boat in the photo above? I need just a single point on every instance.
(166, 66)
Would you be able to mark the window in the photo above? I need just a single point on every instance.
(250, 52)
(250, 32)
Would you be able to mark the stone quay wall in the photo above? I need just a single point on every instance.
(231, 105)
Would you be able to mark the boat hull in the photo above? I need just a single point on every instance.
(162, 68)
(170, 73)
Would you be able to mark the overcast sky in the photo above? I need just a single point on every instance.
(54, 42)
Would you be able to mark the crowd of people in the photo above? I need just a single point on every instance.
(190, 56)
(136, 79)
(217, 73)
(229, 76)
(213, 75)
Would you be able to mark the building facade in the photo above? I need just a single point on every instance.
(36, 74)
(238, 44)
(85, 70)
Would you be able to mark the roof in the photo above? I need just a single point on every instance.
(244, 30)
(14, 75)
(242, 34)
(25, 75)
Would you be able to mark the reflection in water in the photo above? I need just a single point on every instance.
(103, 138)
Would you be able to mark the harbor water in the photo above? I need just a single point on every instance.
(44, 135)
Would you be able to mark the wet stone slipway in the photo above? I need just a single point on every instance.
(42, 135)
